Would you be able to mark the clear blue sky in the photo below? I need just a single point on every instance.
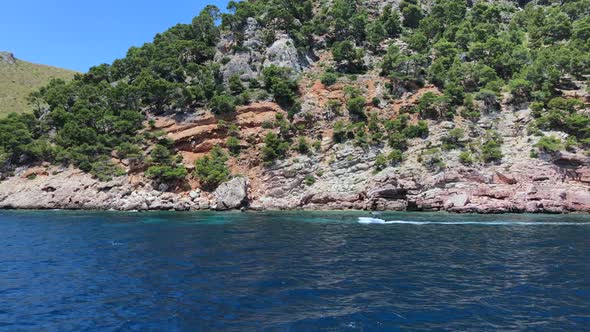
(78, 34)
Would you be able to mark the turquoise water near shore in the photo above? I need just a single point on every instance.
(293, 271)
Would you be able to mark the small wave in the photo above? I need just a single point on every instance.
(368, 221)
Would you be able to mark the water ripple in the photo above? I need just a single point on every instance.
(271, 271)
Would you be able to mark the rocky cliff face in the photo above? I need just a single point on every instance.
(335, 176)
(347, 181)
(332, 175)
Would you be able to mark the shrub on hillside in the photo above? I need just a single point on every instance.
(278, 81)
(549, 144)
(211, 169)
(396, 156)
(491, 150)
(302, 145)
(166, 173)
(453, 140)
(419, 130)
(164, 165)
(222, 104)
(466, 158)
(235, 84)
(340, 132)
(274, 148)
(381, 162)
(329, 78)
(433, 106)
(309, 180)
(105, 170)
(233, 145)
(356, 107)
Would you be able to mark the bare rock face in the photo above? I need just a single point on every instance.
(72, 189)
(253, 36)
(239, 64)
(247, 62)
(348, 181)
(7, 57)
(232, 194)
(458, 200)
(282, 53)
(253, 55)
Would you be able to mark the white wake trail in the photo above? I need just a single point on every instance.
(369, 221)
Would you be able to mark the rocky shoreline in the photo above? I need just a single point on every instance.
(524, 189)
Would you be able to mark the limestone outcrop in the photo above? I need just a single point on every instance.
(232, 194)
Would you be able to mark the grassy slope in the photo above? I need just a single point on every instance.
(18, 80)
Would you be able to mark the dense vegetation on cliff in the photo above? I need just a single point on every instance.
(477, 54)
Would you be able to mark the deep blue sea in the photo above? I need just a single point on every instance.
(293, 271)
